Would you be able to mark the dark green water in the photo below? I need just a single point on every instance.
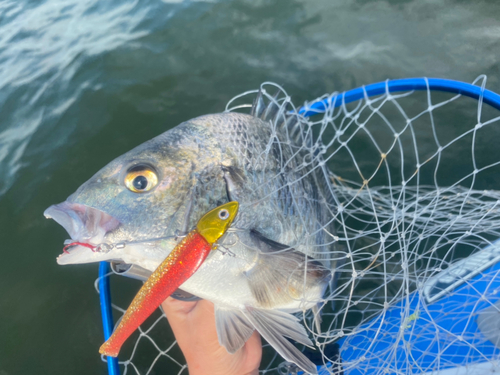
(81, 82)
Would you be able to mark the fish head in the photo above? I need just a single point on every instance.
(143, 199)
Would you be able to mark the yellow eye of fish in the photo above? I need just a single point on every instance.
(140, 179)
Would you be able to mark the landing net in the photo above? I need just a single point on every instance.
(413, 167)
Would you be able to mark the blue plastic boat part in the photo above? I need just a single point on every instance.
(452, 316)
(443, 335)
(397, 85)
(107, 313)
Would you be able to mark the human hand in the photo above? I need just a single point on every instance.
(193, 324)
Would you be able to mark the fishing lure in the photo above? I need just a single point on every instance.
(177, 267)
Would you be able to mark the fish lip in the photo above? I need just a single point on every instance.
(84, 224)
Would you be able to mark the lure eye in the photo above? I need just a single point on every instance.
(223, 214)
(141, 179)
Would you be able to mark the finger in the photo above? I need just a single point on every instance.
(190, 320)
(176, 308)
(253, 351)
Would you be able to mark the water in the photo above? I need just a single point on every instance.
(81, 82)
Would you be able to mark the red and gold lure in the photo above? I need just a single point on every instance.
(179, 265)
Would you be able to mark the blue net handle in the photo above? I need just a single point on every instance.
(406, 84)
(107, 313)
(374, 89)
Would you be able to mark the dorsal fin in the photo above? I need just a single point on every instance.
(259, 105)
(279, 112)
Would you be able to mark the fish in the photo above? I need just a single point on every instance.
(275, 260)
(178, 266)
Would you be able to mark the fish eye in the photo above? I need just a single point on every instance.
(141, 178)
(140, 183)
(223, 214)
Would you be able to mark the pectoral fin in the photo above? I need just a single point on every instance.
(274, 326)
(282, 274)
(233, 328)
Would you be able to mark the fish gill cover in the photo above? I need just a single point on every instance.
(406, 227)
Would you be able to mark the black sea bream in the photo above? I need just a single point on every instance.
(273, 260)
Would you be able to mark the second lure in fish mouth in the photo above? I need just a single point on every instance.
(177, 267)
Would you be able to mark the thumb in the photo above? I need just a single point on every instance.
(178, 309)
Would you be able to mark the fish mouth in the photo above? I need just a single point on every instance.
(87, 228)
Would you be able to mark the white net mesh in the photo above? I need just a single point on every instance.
(413, 178)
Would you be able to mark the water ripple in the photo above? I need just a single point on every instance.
(43, 47)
